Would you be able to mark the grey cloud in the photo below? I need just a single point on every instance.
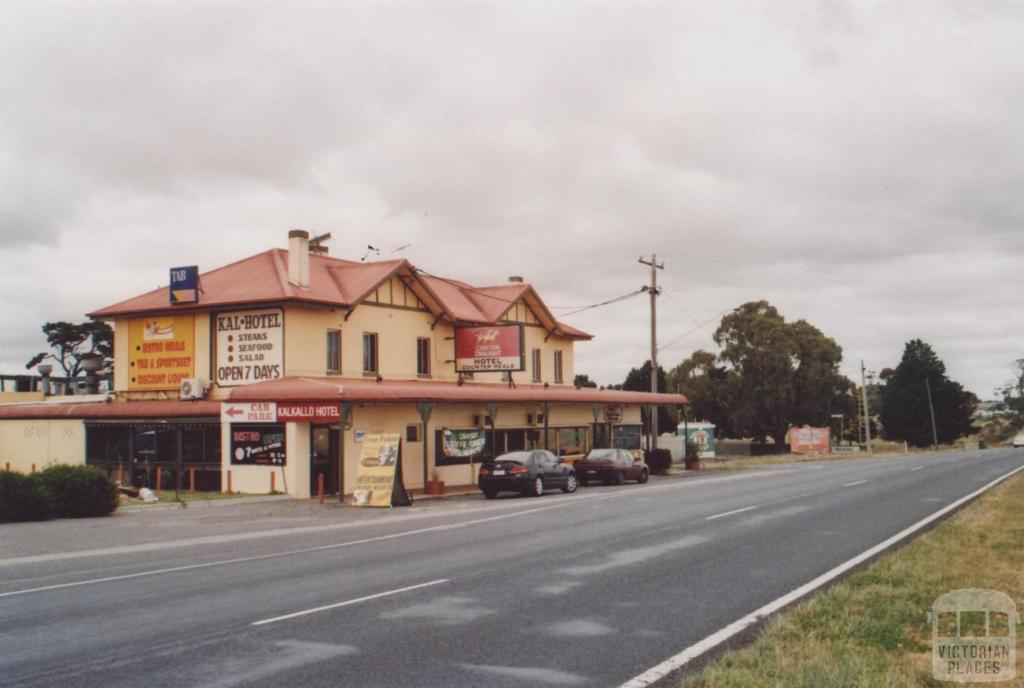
(856, 165)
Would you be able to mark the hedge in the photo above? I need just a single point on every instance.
(658, 460)
(79, 491)
(23, 498)
(62, 491)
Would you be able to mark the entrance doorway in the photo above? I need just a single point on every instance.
(324, 458)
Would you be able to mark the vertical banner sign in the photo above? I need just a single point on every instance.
(808, 440)
(490, 348)
(257, 444)
(250, 346)
(161, 351)
(378, 475)
(184, 284)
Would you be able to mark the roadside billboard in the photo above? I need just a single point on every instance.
(161, 351)
(250, 346)
(489, 348)
(808, 440)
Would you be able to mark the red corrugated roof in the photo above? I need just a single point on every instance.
(113, 409)
(263, 278)
(346, 389)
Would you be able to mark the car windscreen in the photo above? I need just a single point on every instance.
(518, 457)
(601, 454)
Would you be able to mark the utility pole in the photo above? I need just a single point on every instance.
(864, 398)
(653, 262)
(931, 411)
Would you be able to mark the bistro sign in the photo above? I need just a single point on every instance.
(250, 346)
(489, 348)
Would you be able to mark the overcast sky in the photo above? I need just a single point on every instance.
(860, 166)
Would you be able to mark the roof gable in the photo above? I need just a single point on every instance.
(263, 278)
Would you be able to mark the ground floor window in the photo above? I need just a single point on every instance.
(141, 453)
(560, 441)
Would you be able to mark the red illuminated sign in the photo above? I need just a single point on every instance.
(489, 348)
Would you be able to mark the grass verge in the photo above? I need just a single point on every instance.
(872, 628)
(167, 496)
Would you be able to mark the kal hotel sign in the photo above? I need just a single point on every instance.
(250, 346)
(491, 348)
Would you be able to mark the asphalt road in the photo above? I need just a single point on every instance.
(589, 589)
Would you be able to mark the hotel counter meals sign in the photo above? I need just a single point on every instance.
(489, 348)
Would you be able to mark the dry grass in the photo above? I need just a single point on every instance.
(872, 629)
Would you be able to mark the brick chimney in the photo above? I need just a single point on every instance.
(298, 257)
(515, 278)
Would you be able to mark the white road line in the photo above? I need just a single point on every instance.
(350, 543)
(240, 560)
(855, 482)
(730, 513)
(346, 603)
(919, 468)
(305, 530)
(678, 661)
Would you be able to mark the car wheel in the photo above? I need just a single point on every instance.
(643, 477)
(620, 478)
(490, 494)
(570, 484)
(536, 488)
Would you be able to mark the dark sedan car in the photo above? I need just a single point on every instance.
(612, 466)
(527, 472)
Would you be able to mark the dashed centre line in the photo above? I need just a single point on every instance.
(346, 603)
(730, 513)
(855, 482)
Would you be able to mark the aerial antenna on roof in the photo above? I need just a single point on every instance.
(316, 246)
(369, 250)
(400, 248)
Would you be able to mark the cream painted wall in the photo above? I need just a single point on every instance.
(398, 330)
(41, 442)
(397, 327)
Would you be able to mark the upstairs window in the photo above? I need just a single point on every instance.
(535, 364)
(422, 356)
(558, 366)
(333, 351)
(370, 352)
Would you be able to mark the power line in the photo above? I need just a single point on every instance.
(699, 326)
(579, 309)
(630, 295)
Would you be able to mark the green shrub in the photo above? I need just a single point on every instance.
(23, 498)
(79, 491)
(658, 460)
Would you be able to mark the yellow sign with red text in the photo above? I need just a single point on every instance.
(161, 351)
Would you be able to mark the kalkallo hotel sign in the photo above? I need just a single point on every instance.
(250, 346)
(489, 348)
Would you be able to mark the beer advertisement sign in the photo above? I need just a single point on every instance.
(161, 351)
(250, 346)
(489, 348)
